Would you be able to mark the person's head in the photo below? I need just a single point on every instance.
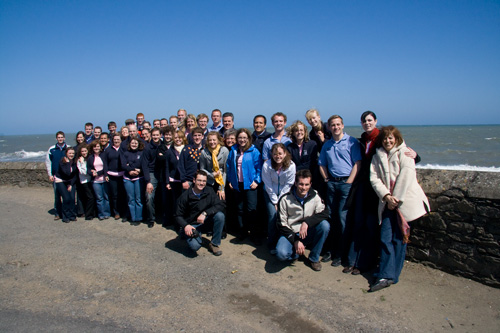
(216, 116)
(230, 137)
(146, 134)
(368, 121)
(139, 118)
(116, 139)
(199, 181)
(146, 124)
(83, 151)
(180, 138)
(174, 121)
(124, 133)
(104, 139)
(336, 125)
(95, 147)
(168, 133)
(89, 127)
(132, 130)
(129, 121)
(111, 127)
(60, 137)
(97, 132)
(190, 122)
(202, 121)
(197, 134)
(70, 153)
(181, 115)
(214, 139)
(298, 132)
(280, 157)
(303, 182)
(259, 123)
(228, 120)
(156, 135)
(157, 123)
(135, 144)
(279, 121)
(80, 137)
(163, 122)
(314, 119)
(243, 138)
(389, 137)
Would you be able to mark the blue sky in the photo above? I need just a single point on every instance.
(63, 63)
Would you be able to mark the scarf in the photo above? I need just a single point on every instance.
(370, 141)
(402, 223)
(216, 166)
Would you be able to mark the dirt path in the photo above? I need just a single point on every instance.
(106, 276)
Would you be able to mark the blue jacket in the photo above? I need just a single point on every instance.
(132, 160)
(54, 155)
(251, 164)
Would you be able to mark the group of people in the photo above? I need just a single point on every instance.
(348, 200)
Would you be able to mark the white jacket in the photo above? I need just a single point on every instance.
(399, 168)
(276, 185)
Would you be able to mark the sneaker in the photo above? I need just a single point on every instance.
(336, 262)
(316, 266)
(326, 257)
(214, 249)
(381, 284)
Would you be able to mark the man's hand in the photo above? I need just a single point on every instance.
(201, 218)
(185, 185)
(168, 186)
(303, 230)
(411, 153)
(188, 230)
(69, 188)
(222, 195)
(254, 185)
(299, 248)
(51, 179)
(149, 188)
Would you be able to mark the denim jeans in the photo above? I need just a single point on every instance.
(116, 195)
(392, 256)
(272, 230)
(150, 200)
(247, 209)
(68, 207)
(213, 223)
(315, 238)
(364, 247)
(135, 190)
(101, 197)
(337, 193)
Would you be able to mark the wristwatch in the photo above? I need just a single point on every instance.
(204, 213)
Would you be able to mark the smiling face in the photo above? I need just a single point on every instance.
(103, 139)
(227, 122)
(146, 135)
(279, 155)
(279, 123)
(337, 128)
(97, 132)
(242, 139)
(117, 141)
(389, 142)
(197, 138)
(230, 140)
(84, 152)
(70, 154)
(178, 140)
(203, 123)
(140, 120)
(60, 139)
(212, 141)
(181, 115)
(299, 133)
(97, 149)
(156, 136)
(314, 120)
(199, 183)
(88, 130)
(80, 138)
(369, 124)
(190, 123)
(216, 115)
(303, 186)
(163, 123)
(174, 122)
(168, 136)
(132, 130)
(259, 125)
(134, 144)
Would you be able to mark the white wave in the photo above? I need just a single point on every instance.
(22, 155)
(458, 167)
(493, 138)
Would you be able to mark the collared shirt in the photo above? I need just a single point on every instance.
(340, 156)
(214, 128)
(269, 143)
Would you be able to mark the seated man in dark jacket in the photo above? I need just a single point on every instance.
(200, 210)
(302, 221)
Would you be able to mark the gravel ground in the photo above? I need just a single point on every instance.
(107, 276)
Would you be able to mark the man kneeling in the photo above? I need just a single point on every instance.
(199, 210)
(302, 221)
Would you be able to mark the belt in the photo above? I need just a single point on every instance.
(338, 179)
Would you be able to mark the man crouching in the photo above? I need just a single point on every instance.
(199, 209)
(302, 220)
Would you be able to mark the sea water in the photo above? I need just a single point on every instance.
(440, 147)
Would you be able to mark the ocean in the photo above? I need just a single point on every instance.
(440, 147)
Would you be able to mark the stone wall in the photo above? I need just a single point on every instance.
(461, 235)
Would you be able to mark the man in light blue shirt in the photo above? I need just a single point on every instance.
(217, 121)
(279, 122)
(339, 162)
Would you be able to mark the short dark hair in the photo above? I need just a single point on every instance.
(89, 124)
(139, 147)
(304, 173)
(98, 127)
(60, 132)
(155, 129)
(368, 113)
(111, 123)
(104, 133)
(197, 130)
(278, 114)
(200, 173)
(335, 116)
(228, 114)
(260, 116)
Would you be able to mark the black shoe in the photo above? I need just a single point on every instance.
(224, 235)
(336, 262)
(151, 224)
(326, 257)
(124, 219)
(73, 220)
(380, 284)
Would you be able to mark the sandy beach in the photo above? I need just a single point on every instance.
(107, 276)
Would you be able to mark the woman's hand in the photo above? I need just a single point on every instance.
(222, 195)
(321, 135)
(168, 187)
(216, 174)
(392, 202)
(254, 185)
(69, 188)
(411, 153)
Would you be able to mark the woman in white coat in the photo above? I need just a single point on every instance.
(402, 200)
